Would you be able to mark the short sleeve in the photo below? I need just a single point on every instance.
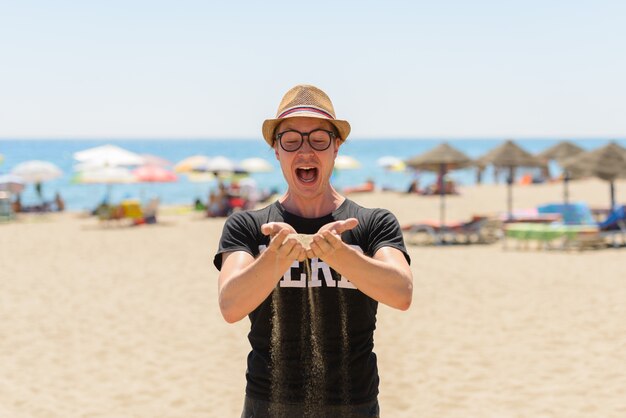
(384, 231)
(240, 233)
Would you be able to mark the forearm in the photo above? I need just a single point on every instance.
(243, 290)
(383, 280)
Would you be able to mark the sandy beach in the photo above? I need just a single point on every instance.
(123, 322)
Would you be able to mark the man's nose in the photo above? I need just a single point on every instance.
(306, 145)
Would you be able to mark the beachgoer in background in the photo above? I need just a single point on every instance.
(413, 187)
(479, 175)
(59, 203)
(17, 203)
(219, 202)
(198, 205)
(368, 186)
(311, 336)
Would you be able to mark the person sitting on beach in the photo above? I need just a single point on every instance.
(445, 184)
(368, 186)
(311, 334)
(218, 205)
(414, 187)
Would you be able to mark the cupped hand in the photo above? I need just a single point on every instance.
(279, 243)
(328, 239)
(339, 227)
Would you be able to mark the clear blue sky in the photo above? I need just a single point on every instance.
(180, 69)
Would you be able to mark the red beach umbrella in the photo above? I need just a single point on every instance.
(154, 174)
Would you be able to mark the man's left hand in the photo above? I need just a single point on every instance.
(328, 239)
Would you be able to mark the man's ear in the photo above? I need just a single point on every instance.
(337, 145)
(276, 151)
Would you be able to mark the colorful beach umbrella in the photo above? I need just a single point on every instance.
(154, 174)
(190, 164)
(150, 159)
(200, 177)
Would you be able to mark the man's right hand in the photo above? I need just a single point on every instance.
(279, 243)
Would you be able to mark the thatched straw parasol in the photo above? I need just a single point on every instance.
(440, 159)
(510, 155)
(560, 153)
(607, 163)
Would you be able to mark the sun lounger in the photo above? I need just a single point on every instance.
(578, 228)
(552, 236)
(6, 211)
(476, 230)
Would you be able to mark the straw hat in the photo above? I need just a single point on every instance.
(305, 101)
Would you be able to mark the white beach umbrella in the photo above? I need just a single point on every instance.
(346, 162)
(89, 166)
(11, 183)
(109, 155)
(106, 175)
(219, 164)
(256, 165)
(391, 163)
(36, 171)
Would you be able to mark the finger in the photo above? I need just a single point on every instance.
(269, 228)
(320, 246)
(332, 239)
(278, 240)
(327, 243)
(286, 251)
(302, 255)
(346, 225)
(293, 249)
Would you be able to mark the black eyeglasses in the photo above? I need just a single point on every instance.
(292, 140)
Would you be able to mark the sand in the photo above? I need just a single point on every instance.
(124, 322)
(304, 239)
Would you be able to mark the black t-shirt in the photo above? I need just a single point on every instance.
(312, 340)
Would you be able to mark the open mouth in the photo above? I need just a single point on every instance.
(306, 174)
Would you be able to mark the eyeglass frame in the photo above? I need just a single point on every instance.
(331, 134)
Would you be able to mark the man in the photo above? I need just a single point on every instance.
(312, 309)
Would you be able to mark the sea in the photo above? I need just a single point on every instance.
(82, 197)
